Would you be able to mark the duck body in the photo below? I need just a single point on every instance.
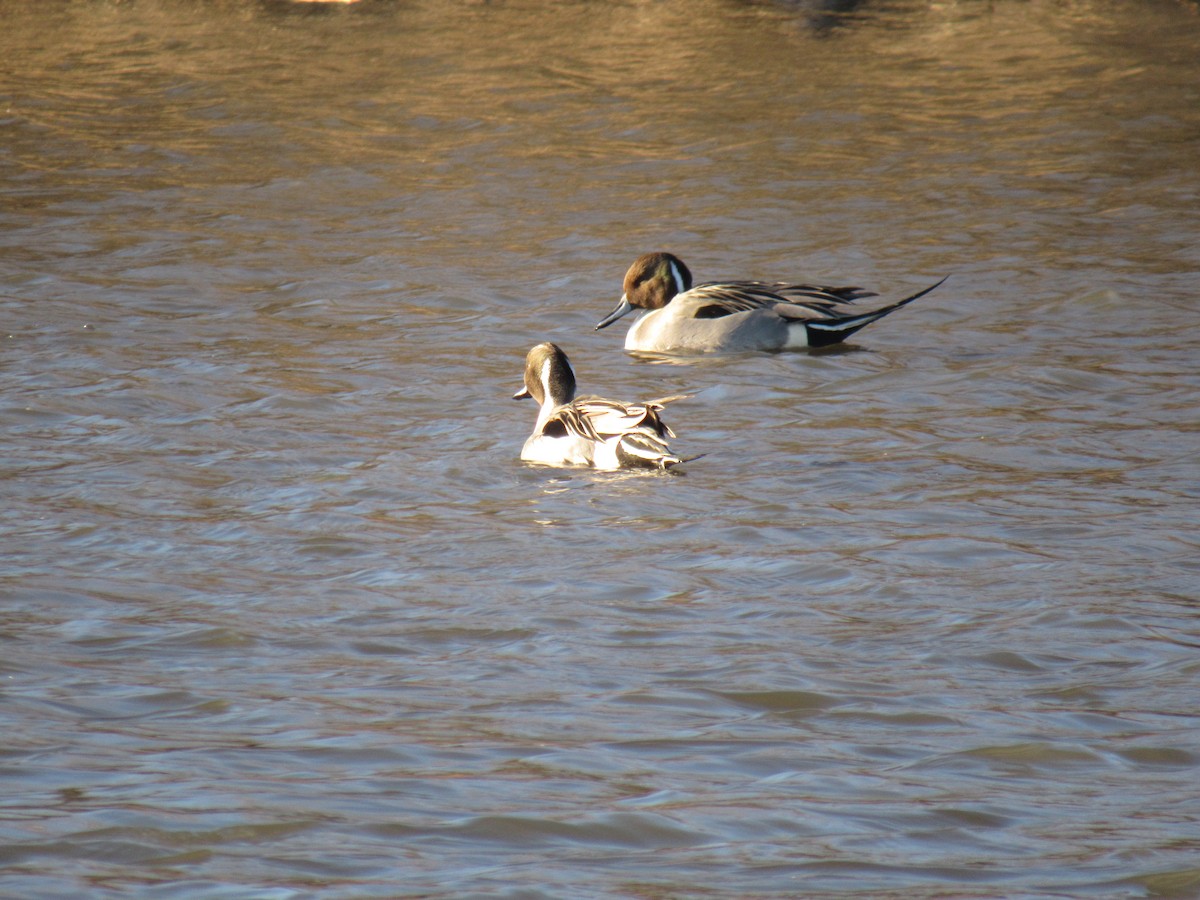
(735, 315)
(589, 431)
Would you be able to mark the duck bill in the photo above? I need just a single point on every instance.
(622, 308)
(522, 394)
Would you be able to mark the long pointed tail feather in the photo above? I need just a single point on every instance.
(834, 331)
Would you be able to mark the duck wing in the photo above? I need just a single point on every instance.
(717, 299)
(569, 421)
(611, 417)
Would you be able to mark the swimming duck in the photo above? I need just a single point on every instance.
(589, 431)
(735, 315)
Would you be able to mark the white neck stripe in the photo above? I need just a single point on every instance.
(544, 377)
(680, 287)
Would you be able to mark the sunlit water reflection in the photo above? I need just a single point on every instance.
(283, 614)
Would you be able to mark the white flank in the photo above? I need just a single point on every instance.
(559, 451)
(797, 336)
(605, 456)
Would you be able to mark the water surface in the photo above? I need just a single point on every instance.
(284, 616)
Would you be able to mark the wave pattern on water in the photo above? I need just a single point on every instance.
(283, 615)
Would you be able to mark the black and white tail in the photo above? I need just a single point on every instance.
(824, 332)
(641, 449)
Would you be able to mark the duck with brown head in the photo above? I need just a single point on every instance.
(735, 315)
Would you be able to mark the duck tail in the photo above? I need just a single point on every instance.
(823, 334)
(646, 450)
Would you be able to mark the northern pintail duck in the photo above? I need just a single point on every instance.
(735, 315)
(589, 431)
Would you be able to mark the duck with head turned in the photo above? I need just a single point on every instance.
(735, 315)
(590, 431)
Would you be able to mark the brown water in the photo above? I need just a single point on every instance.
(282, 614)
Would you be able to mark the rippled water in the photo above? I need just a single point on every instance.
(284, 616)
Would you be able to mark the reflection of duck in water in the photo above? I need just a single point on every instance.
(824, 15)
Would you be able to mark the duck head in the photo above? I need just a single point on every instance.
(650, 283)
